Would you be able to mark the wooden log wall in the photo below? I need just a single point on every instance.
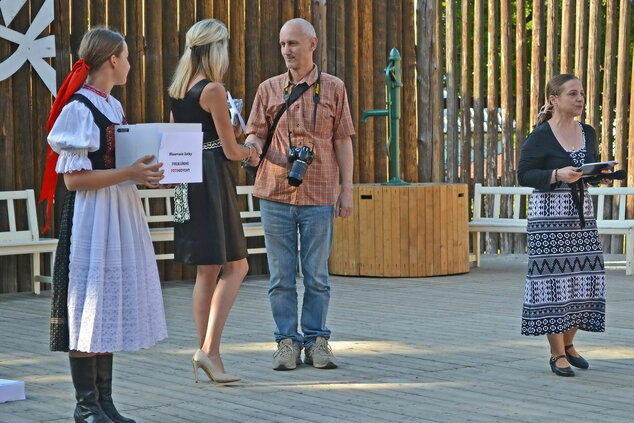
(474, 73)
(501, 88)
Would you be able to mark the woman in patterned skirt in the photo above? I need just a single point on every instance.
(565, 285)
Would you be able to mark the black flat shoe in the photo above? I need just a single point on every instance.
(578, 362)
(560, 371)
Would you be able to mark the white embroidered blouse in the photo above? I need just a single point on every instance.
(75, 132)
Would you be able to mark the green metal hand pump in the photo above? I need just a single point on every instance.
(393, 112)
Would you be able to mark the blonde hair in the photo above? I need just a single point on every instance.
(554, 87)
(98, 45)
(205, 52)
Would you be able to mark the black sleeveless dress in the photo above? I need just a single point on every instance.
(213, 234)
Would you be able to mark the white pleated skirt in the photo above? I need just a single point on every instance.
(114, 294)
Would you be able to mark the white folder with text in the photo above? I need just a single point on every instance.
(177, 145)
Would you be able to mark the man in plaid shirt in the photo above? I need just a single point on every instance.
(320, 120)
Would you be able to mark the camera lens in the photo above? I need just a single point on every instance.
(296, 174)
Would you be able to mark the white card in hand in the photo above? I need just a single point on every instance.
(182, 156)
(135, 141)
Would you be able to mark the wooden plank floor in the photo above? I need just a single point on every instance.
(444, 349)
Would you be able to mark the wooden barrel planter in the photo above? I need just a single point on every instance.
(403, 231)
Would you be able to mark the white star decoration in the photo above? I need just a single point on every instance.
(30, 47)
(10, 8)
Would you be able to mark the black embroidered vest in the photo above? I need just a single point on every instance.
(103, 158)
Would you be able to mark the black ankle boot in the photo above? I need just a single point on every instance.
(104, 386)
(84, 373)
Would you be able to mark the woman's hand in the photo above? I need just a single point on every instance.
(569, 174)
(146, 174)
(605, 180)
(255, 157)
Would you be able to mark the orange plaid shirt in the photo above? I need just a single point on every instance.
(321, 180)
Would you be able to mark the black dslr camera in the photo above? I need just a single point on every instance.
(301, 157)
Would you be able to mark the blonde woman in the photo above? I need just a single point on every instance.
(565, 285)
(209, 232)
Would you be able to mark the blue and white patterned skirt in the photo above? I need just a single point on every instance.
(565, 285)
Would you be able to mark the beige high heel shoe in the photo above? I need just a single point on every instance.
(201, 361)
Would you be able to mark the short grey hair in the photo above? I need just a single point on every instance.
(306, 27)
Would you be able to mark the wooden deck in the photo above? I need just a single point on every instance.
(441, 349)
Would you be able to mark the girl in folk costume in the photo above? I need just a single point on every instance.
(107, 293)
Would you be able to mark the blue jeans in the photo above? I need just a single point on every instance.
(281, 222)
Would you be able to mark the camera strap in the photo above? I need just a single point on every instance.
(315, 100)
(288, 100)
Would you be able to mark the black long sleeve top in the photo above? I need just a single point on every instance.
(542, 153)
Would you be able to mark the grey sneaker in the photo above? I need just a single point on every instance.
(287, 355)
(320, 355)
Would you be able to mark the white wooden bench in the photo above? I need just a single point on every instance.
(514, 224)
(24, 237)
(158, 206)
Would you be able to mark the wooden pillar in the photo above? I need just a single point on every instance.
(492, 112)
(320, 24)
(451, 67)
(622, 85)
(521, 95)
(581, 43)
(302, 9)
(136, 47)
(478, 90)
(252, 51)
(465, 95)
(98, 13)
(352, 80)
(551, 40)
(567, 36)
(204, 9)
(408, 94)
(537, 80)
(608, 103)
(287, 10)
(379, 38)
(171, 51)
(593, 68)
(507, 172)
(367, 82)
(424, 65)
(438, 107)
(609, 81)
(154, 86)
(630, 150)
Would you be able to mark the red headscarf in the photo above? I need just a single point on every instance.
(71, 84)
